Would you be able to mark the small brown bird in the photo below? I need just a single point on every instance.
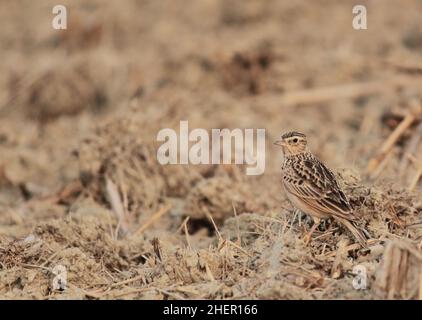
(312, 188)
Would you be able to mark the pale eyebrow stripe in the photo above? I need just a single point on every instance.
(292, 134)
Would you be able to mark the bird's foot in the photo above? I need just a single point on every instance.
(307, 238)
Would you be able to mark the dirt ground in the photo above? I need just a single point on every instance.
(81, 187)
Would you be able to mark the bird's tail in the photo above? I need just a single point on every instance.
(359, 233)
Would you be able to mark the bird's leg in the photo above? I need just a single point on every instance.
(307, 238)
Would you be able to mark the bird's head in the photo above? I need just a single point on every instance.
(293, 143)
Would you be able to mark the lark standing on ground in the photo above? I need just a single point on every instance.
(312, 188)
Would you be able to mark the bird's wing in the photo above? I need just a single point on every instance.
(317, 187)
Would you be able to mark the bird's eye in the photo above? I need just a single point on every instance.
(295, 140)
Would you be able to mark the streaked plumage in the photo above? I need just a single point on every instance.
(312, 188)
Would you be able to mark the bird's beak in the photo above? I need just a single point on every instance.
(279, 143)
